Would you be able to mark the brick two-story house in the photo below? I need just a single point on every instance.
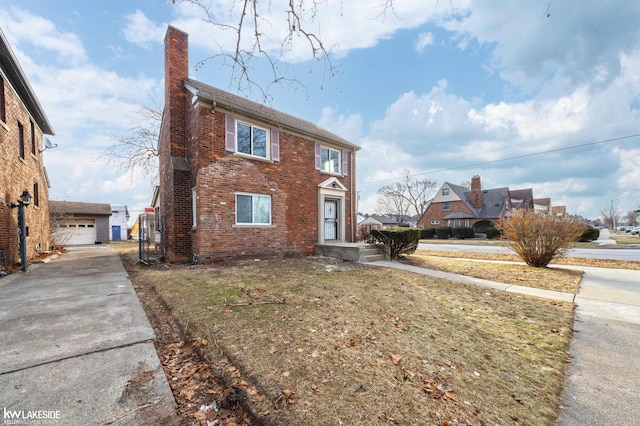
(23, 123)
(473, 207)
(240, 179)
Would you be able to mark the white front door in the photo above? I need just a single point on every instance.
(330, 220)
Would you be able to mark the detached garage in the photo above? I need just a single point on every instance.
(76, 223)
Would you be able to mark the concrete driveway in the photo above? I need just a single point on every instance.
(77, 346)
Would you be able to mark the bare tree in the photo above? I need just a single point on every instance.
(257, 39)
(406, 198)
(632, 217)
(138, 149)
(611, 216)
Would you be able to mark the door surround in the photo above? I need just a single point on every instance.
(331, 190)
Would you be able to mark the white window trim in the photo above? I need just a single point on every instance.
(446, 203)
(244, 224)
(339, 171)
(268, 140)
(435, 222)
(194, 205)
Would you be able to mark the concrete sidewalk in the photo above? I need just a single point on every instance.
(77, 345)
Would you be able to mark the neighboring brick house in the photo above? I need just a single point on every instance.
(23, 123)
(240, 179)
(473, 207)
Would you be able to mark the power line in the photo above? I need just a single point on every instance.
(510, 158)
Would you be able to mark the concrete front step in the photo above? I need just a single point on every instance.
(351, 251)
(375, 257)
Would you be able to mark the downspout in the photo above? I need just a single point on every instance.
(353, 200)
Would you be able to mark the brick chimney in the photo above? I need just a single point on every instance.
(176, 71)
(476, 192)
(175, 191)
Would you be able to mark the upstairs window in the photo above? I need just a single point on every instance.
(20, 140)
(253, 209)
(250, 139)
(445, 191)
(3, 107)
(33, 138)
(36, 194)
(446, 206)
(331, 160)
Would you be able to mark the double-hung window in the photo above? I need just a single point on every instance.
(331, 160)
(250, 139)
(446, 205)
(20, 140)
(3, 108)
(253, 209)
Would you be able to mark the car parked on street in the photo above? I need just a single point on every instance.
(635, 230)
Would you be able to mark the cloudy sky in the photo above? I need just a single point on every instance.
(538, 94)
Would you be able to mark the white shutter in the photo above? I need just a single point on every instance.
(345, 162)
(318, 157)
(275, 144)
(230, 133)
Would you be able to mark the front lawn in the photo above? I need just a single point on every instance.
(318, 341)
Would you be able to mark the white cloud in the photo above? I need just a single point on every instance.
(424, 40)
(142, 31)
(23, 27)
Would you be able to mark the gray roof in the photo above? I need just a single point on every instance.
(493, 201)
(277, 118)
(19, 81)
(79, 208)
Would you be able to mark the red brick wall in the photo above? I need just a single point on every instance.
(18, 174)
(435, 212)
(293, 186)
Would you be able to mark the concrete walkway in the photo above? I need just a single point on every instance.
(603, 386)
(77, 345)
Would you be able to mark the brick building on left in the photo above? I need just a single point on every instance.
(23, 124)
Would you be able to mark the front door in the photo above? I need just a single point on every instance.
(330, 220)
(115, 233)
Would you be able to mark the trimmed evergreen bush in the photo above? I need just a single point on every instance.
(443, 232)
(462, 232)
(589, 234)
(397, 241)
(427, 233)
(492, 233)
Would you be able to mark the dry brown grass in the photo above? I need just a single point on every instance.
(556, 279)
(573, 261)
(325, 342)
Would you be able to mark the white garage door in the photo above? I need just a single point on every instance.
(77, 232)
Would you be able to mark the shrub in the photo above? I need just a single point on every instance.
(462, 232)
(443, 232)
(589, 234)
(538, 238)
(427, 233)
(492, 233)
(397, 241)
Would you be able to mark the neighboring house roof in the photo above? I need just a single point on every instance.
(278, 118)
(493, 202)
(522, 198)
(79, 208)
(19, 81)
